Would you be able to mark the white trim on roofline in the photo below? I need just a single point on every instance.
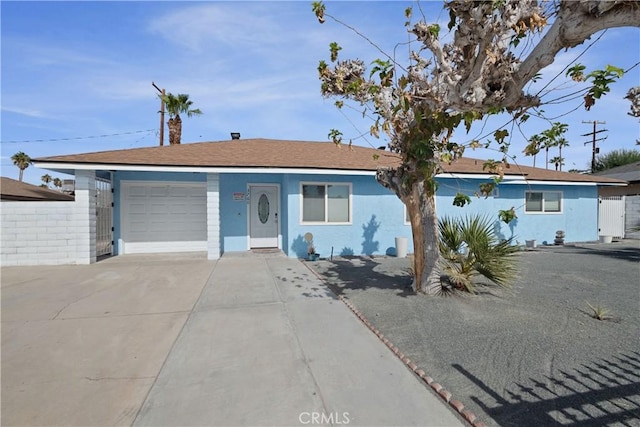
(204, 169)
(477, 176)
(522, 179)
(509, 179)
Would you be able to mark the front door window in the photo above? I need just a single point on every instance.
(263, 208)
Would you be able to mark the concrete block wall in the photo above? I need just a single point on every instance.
(85, 216)
(213, 216)
(632, 216)
(51, 233)
(38, 233)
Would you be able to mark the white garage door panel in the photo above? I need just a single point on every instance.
(164, 217)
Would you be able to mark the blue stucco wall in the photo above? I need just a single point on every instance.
(377, 218)
(579, 217)
(233, 213)
(377, 214)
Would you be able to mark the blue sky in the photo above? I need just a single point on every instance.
(84, 69)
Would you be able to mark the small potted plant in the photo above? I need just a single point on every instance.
(311, 252)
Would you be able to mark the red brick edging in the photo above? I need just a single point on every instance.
(457, 406)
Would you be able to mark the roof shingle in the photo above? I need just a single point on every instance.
(270, 153)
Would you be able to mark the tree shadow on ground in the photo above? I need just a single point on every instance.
(361, 273)
(600, 393)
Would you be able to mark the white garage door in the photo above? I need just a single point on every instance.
(163, 217)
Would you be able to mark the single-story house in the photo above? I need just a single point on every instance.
(628, 197)
(246, 194)
(11, 189)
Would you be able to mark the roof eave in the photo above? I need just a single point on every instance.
(68, 166)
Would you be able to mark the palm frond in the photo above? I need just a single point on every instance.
(470, 246)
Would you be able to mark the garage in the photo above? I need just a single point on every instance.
(163, 217)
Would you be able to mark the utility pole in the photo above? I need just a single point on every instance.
(162, 93)
(594, 150)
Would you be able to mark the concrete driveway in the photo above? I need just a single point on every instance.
(178, 340)
(82, 345)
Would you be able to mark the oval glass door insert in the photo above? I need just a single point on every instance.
(263, 209)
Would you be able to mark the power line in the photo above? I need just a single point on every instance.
(80, 137)
(594, 148)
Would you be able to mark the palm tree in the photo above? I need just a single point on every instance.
(557, 161)
(552, 137)
(46, 179)
(533, 148)
(175, 105)
(57, 182)
(22, 161)
(562, 142)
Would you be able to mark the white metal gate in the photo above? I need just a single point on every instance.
(104, 217)
(611, 216)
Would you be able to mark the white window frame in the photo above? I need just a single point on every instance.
(543, 212)
(407, 221)
(349, 185)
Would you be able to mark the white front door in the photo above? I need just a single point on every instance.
(263, 216)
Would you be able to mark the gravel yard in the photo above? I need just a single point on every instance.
(530, 356)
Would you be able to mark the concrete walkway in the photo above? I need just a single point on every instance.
(176, 339)
(268, 344)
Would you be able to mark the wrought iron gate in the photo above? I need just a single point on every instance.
(611, 216)
(104, 217)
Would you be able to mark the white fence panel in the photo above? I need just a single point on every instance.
(611, 216)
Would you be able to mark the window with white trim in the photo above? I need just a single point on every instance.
(326, 203)
(543, 202)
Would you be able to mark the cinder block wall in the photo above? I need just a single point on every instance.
(38, 233)
(632, 216)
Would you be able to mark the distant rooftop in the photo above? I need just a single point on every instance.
(13, 190)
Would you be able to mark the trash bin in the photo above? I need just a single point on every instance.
(401, 247)
(605, 239)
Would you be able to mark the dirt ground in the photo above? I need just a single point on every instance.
(531, 356)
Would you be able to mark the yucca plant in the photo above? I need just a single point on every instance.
(470, 247)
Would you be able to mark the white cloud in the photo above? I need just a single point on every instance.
(202, 27)
(29, 112)
(41, 53)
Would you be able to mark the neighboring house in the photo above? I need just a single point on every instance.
(13, 190)
(37, 225)
(629, 196)
(249, 194)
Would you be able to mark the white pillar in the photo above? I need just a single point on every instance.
(213, 216)
(84, 217)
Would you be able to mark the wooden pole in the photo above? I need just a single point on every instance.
(162, 94)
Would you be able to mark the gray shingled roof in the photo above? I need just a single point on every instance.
(630, 172)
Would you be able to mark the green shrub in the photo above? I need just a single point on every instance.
(470, 247)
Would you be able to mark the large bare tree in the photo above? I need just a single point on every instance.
(479, 71)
